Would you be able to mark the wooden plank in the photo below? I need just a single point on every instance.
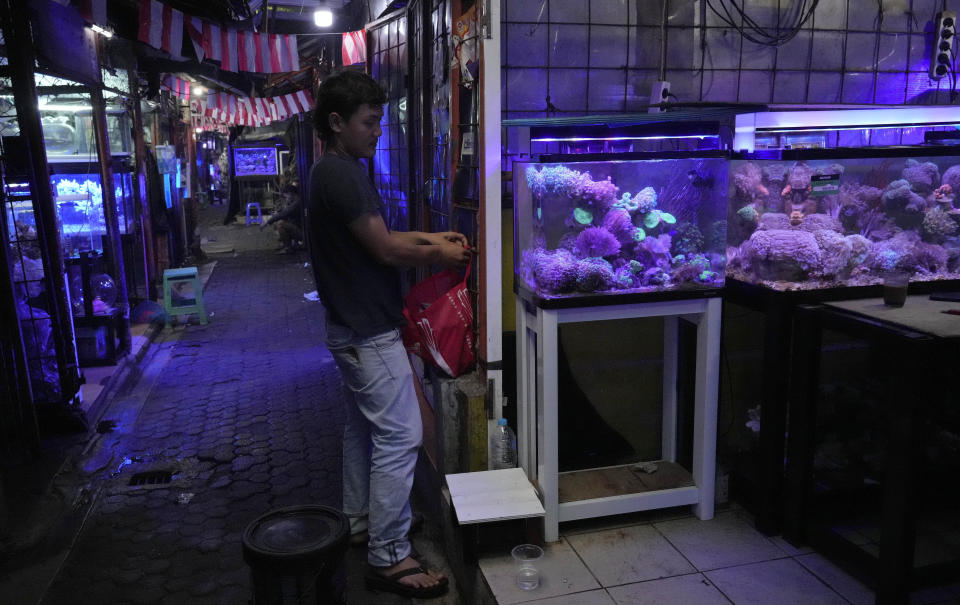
(621, 480)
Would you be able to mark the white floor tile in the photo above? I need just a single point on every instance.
(561, 573)
(851, 588)
(629, 554)
(693, 589)
(721, 542)
(780, 581)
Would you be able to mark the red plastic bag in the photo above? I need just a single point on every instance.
(440, 322)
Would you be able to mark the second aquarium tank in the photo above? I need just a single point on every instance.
(818, 219)
(611, 227)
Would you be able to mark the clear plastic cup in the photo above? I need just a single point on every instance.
(895, 285)
(527, 557)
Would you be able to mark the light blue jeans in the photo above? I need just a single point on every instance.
(381, 438)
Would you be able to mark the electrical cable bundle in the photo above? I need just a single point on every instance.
(749, 29)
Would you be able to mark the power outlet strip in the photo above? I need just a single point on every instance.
(722, 494)
(658, 94)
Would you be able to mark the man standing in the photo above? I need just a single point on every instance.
(355, 258)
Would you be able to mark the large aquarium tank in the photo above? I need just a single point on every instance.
(645, 225)
(819, 219)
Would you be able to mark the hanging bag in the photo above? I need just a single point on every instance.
(440, 321)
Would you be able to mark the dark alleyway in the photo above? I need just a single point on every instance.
(244, 411)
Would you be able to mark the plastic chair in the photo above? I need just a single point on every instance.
(258, 220)
(183, 306)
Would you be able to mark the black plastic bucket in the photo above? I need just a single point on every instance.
(294, 555)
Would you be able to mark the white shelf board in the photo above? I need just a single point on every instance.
(500, 495)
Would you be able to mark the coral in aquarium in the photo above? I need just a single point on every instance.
(923, 177)
(817, 222)
(938, 226)
(782, 254)
(688, 240)
(871, 216)
(619, 223)
(596, 242)
(951, 176)
(554, 271)
(588, 236)
(594, 274)
(903, 205)
(747, 181)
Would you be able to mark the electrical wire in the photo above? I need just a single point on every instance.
(752, 31)
(878, 23)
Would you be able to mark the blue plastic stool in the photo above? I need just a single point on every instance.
(259, 218)
(184, 306)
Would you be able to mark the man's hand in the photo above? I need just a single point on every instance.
(453, 254)
(450, 236)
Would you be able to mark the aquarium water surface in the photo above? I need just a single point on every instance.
(620, 227)
(806, 221)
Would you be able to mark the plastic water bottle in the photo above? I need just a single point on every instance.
(504, 446)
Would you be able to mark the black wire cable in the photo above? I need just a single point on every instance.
(752, 31)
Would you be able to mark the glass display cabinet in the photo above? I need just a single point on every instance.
(812, 226)
(72, 157)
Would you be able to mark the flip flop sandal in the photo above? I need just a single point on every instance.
(392, 583)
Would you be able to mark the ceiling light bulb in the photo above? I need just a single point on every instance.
(323, 17)
(198, 90)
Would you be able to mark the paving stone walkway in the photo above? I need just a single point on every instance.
(246, 414)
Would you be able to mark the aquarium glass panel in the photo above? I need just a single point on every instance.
(610, 392)
(79, 200)
(826, 221)
(619, 227)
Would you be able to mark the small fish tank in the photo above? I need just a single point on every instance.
(592, 230)
(802, 220)
(255, 161)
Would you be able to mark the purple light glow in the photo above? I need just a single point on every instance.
(583, 139)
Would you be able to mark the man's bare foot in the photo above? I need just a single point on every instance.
(419, 580)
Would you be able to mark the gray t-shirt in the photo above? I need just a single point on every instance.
(357, 291)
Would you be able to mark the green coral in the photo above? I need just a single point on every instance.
(584, 217)
(639, 235)
(652, 219)
(667, 218)
(748, 213)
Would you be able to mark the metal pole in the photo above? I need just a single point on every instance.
(142, 202)
(19, 47)
(110, 213)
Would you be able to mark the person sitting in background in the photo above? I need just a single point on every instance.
(289, 220)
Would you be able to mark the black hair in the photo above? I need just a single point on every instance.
(343, 94)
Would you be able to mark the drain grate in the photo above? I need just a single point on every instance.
(151, 478)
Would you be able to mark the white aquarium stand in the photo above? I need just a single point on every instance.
(537, 335)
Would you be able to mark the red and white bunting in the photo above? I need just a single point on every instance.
(161, 27)
(195, 32)
(354, 47)
(251, 111)
(180, 88)
(288, 105)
